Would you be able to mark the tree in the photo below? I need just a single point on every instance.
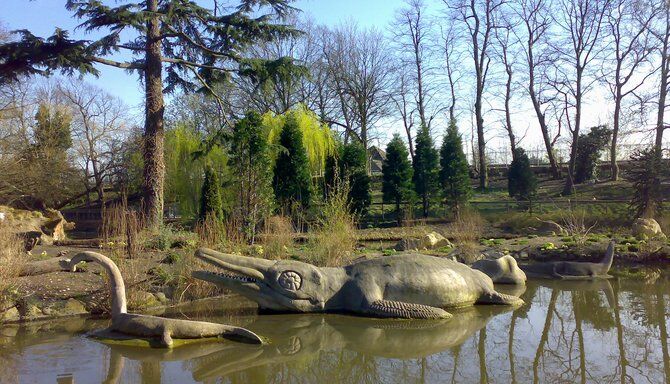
(478, 18)
(645, 174)
(396, 174)
(359, 65)
(581, 21)
(291, 181)
(211, 203)
(507, 56)
(454, 174)
(426, 168)
(521, 181)
(629, 29)
(52, 130)
(196, 46)
(350, 165)
(661, 31)
(99, 127)
(588, 152)
(251, 163)
(535, 16)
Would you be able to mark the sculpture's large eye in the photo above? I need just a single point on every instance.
(290, 280)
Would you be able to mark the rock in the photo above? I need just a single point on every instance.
(143, 300)
(160, 296)
(32, 312)
(69, 307)
(647, 228)
(12, 314)
(56, 225)
(430, 241)
(492, 254)
(550, 228)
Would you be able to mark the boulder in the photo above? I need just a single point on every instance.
(143, 300)
(647, 228)
(10, 315)
(431, 240)
(69, 307)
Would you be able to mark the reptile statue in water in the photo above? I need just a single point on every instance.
(572, 270)
(413, 286)
(156, 328)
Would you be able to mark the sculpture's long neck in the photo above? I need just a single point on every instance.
(336, 277)
(117, 288)
(606, 262)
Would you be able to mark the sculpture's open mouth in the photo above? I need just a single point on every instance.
(250, 277)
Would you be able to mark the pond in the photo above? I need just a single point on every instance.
(606, 331)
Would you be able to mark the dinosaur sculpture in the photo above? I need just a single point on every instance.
(153, 327)
(572, 270)
(401, 286)
(504, 270)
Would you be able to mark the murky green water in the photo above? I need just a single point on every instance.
(567, 332)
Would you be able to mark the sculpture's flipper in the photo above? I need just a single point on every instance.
(499, 298)
(399, 309)
(166, 339)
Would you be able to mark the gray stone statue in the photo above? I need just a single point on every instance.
(504, 270)
(572, 270)
(410, 286)
(156, 328)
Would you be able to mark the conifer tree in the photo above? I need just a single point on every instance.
(521, 182)
(179, 44)
(52, 129)
(426, 168)
(291, 181)
(454, 173)
(211, 205)
(349, 163)
(397, 174)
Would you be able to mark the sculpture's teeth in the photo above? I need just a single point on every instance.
(245, 279)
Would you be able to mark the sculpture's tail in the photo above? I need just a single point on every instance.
(500, 298)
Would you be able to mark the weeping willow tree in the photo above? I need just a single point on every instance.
(184, 173)
(317, 138)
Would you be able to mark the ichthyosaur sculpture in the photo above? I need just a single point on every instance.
(401, 286)
(156, 328)
(572, 270)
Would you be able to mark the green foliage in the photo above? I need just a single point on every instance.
(454, 173)
(397, 173)
(210, 202)
(317, 138)
(184, 172)
(251, 163)
(291, 181)
(645, 174)
(426, 171)
(350, 165)
(589, 147)
(52, 129)
(521, 182)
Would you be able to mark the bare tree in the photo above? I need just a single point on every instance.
(478, 20)
(360, 68)
(627, 24)
(410, 31)
(452, 59)
(401, 97)
(535, 17)
(506, 55)
(662, 34)
(582, 22)
(99, 127)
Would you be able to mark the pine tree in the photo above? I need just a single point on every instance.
(211, 205)
(426, 171)
(397, 174)
(454, 173)
(291, 179)
(350, 164)
(179, 44)
(589, 147)
(521, 181)
(52, 129)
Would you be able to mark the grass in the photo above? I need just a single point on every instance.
(12, 259)
(335, 236)
(278, 237)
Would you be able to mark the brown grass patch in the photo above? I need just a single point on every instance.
(278, 236)
(12, 259)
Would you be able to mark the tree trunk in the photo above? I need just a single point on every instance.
(508, 112)
(154, 165)
(614, 166)
(569, 181)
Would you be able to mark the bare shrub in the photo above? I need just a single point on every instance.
(221, 234)
(186, 286)
(278, 236)
(335, 236)
(468, 227)
(121, 230)
(12, 259)
(574, 223)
